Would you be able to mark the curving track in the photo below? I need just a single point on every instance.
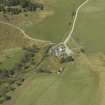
(74, 22)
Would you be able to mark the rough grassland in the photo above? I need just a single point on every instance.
(90, 27)
(10, 58)
(78, 85)
(82, 82)
(10, 37)
(55, 25)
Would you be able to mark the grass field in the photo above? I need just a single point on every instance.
(50, 64)
(55, 26)
(10, 58)
(51, 24)
(11, 38)
(82, 82)
(89, 31)
(78, 85)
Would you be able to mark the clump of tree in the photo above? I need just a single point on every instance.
(4, 98)
(11, 78)
(66, 59)
(18, 6)
(82, 50)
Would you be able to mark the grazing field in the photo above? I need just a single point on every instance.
(55, 26)
(52, 23)
(11, 38)
(10, 58)
(83, 81)
(78, 85)
(50, 64)
(89, 30)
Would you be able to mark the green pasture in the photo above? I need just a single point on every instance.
(10, 58)
(90, 26)
(77, 85)
(55, 26)
(11, 37)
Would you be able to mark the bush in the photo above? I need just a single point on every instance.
(7, 97)
(19, 83)
(11, 6)
(4, 98)
(82, 50)
(12, 88)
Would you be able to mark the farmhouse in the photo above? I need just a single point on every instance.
(61, 52)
